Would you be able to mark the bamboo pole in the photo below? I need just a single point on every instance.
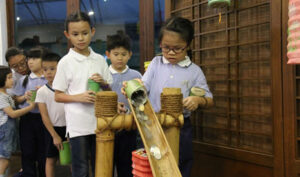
(171, 103)
(104, 153)
(108, 121)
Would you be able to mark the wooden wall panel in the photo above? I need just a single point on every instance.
(240, 54)
(227, 167)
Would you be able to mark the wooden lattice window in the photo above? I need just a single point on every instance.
(234, 54)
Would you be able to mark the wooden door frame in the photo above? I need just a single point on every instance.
(10, 14)
(146, 31)
(289, 104)
(277, 81)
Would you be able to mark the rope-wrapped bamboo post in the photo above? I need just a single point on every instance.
(171, 117)
(108, 121)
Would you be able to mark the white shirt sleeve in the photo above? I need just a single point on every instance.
(40, 96)
(60, 80)
(106, 74)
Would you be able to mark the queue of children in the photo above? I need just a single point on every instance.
(65, 105)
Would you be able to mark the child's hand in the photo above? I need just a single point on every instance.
(57, 141)
(191, 103)
(123, 88)
(38, 87)
(31, 104)
(27, 95)
(86, 97)
(121, 108)
(98, 78)
(125, 85)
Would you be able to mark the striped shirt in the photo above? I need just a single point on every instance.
(5, 101)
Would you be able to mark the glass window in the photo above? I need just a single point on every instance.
(110, 16)
(41, 22)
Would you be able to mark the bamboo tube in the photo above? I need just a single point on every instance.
(171, 100)
(108, 121)
(105, 110)
(104, 153)
(172, 134)
(124, 121)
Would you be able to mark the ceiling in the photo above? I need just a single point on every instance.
(38, 12)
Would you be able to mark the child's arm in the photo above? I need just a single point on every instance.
(85, 97)
(22, 98)
(193, 102)
(57, 141)
(19, 112)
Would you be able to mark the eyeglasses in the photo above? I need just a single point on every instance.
(176, 50)
(22, 63)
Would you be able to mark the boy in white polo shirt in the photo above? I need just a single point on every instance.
(53, 113)
(70, 84)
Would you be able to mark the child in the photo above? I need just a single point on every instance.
(119, 52)
(31, 126)
(53, 113)
(16, 60)
(7, 118)
(70, 84)
(175, 69)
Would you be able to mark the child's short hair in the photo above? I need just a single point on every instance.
(4, 71)
(118, 40)
(51, 57)
(37, 52)
(13, 51)
(77, 17)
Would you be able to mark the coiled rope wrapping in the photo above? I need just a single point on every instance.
(106, 104)
(171, 104)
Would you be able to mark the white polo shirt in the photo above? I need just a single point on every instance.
(56, 110)
(72, 75)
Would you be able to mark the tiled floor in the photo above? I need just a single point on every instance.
(15, 166)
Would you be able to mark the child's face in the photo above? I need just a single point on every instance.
(18, 64)
(80, 35)
(119, 58)
(49, 69)
(9, 81)
(35, 64)
(174, 48)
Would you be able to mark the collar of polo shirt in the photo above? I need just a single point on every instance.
(81, 57)
(184, 63)
(33, 76)
(113, 71)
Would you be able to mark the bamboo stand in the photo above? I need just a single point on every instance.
(108, 121)
(171, 117)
